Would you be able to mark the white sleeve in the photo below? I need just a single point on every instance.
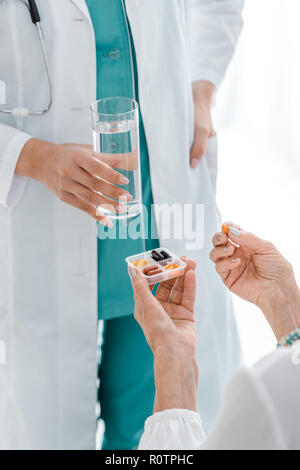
(248, 417)
(280, 374)
(173, 429)
(258, 412)
(216, 27)
(11, 186)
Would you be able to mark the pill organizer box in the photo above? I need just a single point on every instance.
(157, 265)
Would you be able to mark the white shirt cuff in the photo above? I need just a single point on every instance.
(11, 185)
(174, 429)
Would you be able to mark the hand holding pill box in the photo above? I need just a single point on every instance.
(157, 265)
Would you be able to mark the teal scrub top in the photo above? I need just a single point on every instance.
(117, 76)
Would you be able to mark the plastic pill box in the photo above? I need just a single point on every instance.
(157, 265)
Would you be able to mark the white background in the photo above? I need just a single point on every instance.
(257, 119)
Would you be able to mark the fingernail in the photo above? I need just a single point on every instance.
(235, 231)
(234, 260)
(132, 272)
(106, 222)
(123, 180)
(226, 248)
(125, 197)
(218, 238)
(194, 163)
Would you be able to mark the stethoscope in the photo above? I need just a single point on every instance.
(23, 112)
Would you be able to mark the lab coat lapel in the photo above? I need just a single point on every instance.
(82, 6)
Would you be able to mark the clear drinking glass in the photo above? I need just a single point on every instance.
(115, 124)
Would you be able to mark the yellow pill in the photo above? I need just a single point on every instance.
(140, 262)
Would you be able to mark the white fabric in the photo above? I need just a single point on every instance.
(48, 250)
(213, 19)
(11, 185)
(173, 429)
(260, 410)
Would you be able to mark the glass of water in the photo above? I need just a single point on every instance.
(115, 124)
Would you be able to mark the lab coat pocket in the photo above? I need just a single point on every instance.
(211, 157)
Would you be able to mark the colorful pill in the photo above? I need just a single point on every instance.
(165, 254)
(171, 266)
(156, 256)
(152, 270)
(140, 262)
(225, 228)
(153, 273)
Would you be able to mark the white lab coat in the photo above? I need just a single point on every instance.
(48, 250)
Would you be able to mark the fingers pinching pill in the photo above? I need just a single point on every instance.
(157, 265)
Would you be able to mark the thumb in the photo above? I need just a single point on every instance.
(140, 286)
(247, 239)
(189, 291)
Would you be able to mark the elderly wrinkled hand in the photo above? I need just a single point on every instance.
(168, 317)
(168, 323)
(256, 271)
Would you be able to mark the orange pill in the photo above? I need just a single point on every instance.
(171, 266)
(225, 228)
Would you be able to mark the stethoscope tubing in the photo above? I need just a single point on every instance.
(23, 112)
